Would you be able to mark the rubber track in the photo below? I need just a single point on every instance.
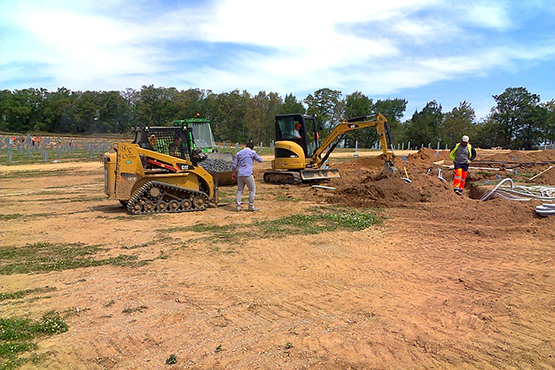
(282, 177)
(169, 192)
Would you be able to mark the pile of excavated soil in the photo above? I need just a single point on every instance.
(363, 183)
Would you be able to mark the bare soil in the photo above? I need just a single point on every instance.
(444, 282)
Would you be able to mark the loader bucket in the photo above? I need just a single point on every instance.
(219, 165)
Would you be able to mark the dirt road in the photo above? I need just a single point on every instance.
(443, 282)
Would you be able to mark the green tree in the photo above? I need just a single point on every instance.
(259, 116)
(549, 133)
(423, 127)
(356, 105)
(291, 105)
(393, 110)
(157, 106)
(190, 102)
(327, 105)
(227, 111)
(519, 118)
(114, 114)
(460, 121)
(58, 110)
(23, 110)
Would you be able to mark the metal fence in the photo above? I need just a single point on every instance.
(28, 149)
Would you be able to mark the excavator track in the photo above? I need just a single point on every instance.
(282, 177)
(159, 197)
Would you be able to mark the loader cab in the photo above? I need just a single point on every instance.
(298, 128)
(202, 132)
(174, 141)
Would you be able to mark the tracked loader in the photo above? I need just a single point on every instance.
(159, 172)
(299, 156)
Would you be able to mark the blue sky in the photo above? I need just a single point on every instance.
(420, 50)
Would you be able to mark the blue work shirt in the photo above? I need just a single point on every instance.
(244, 161)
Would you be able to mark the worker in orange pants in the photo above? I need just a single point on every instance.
(461, 155)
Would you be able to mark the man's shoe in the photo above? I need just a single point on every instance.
(459, 191)
(253, 209)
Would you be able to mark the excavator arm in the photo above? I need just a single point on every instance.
(322, 153)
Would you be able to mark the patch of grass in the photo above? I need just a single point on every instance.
(17, 335)
(285, 198)
(319, 222)
(29, 174)
(23, 293)
(13, 216)
(45, 257)
(134, 309)
(19, 216)
(202, 227)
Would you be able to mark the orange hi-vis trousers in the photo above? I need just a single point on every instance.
(460, 178)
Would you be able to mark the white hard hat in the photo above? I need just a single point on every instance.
(465, 139)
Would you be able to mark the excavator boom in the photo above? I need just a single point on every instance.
(321, 154)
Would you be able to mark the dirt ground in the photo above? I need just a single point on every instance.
(444, 282)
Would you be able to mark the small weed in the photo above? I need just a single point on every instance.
(134, 309)
(172, 360)
(288, 345)
(110, 303)
(285, 198)
(219, 349)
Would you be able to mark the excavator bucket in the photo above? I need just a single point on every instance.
(319, 174)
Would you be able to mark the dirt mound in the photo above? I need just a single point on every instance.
(425, 180)
(519, 156)
(362, 163)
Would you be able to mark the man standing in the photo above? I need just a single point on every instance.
(461, 155)
(242, 171)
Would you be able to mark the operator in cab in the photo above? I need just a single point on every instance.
(297, 132)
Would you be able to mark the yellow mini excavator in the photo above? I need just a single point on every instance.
(159, 172)
(300, 156)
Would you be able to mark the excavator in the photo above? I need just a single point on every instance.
(299, 156)
(159, 172)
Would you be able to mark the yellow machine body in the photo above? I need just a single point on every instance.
(300, 156)
(151, 181)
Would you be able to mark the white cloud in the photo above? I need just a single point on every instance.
(289, 46)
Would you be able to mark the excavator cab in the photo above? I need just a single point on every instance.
(298, 128)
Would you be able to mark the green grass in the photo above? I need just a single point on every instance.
(285, 198)
(23, 293)
(17, 336)
(30, 174)
(320, 221)
(134, 309)
(317, 221)
(46, 257)
(13, 216)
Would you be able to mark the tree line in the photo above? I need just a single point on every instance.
(519, 120)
